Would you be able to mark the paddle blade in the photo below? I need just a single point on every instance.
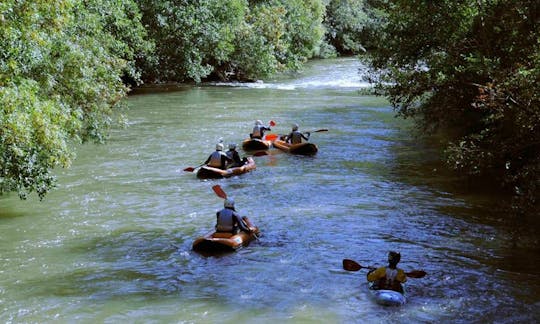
(416, 274)
(189, 169)
(272, 123)
(260, 153)
(219, 192)
(351, 265)
(271, 137)
(321, 130)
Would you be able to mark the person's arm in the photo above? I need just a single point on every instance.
(306, 138)
(208, 160)
(241, 223)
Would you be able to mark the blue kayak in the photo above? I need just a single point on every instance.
(387, 297)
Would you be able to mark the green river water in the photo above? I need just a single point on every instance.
(112, 244)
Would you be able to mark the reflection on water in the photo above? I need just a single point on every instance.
(113, 243)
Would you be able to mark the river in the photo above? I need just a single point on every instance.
(113, 242)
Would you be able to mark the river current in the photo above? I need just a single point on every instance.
(113, 242)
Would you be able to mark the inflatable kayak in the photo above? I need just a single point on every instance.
(301, 149)
(207, 172)
(255, 144)
(225, 242)
(387, 297)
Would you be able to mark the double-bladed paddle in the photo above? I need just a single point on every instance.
(273, 137)
(351, 265)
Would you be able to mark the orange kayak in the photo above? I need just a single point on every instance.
(223, 241)
(254, 144)
(207, 172)
(305, 148)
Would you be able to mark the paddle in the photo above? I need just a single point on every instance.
(319, 130)
(272, 123)
(219, 192)
(271, 137)
(191, 169)
(351, 265)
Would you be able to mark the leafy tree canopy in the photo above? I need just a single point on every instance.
(470, 69)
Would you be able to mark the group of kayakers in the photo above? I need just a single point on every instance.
(229, 221)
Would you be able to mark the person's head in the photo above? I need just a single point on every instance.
(295, 127)
(393, 258)
(232, 146)
(258, 122)
(229, 203)
(219, 147)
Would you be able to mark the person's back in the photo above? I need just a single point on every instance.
(232, 153)
(295, 136)
(258, 130)
(389, 277)
(228, 220)
(218, 159)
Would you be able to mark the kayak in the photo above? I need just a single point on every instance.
(387, 297)
(207, 172)
(305, 148)
(224, 241)
(255, 144)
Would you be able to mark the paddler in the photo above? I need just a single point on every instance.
(258, 130)
(218, 159)
(389, 277)
(295, 136)
(228, 220)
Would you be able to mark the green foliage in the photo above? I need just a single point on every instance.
(471, 68)
(229, 38)
(60, 80)
(348, 25)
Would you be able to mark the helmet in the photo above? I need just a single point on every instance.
(295, 127)
(394, 257)
(229, 203)
(258, 122)
(219, 147)
(232, 146)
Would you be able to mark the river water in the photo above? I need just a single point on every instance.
(113, 242)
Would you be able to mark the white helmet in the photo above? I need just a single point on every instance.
(219, 147)
(229, 203)
(258, 122)
(232, 146)
(295, 127)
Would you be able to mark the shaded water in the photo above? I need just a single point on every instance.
(113, 242)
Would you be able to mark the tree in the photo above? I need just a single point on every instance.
(469, 69)
(60, 82)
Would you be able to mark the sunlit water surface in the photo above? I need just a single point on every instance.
(113, 242)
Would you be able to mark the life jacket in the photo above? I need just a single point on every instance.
(389, 281)
(215, 159)
(226, 220)
(296, 137)
(257, 133)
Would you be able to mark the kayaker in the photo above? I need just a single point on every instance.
(295, 136)
(218, 159)
(232, 153)
(389, 277)
(228, 220)
(258, 130)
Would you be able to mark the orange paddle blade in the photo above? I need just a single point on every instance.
(271, 137)
(219, 192)
(272, 123)
(189, 169)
